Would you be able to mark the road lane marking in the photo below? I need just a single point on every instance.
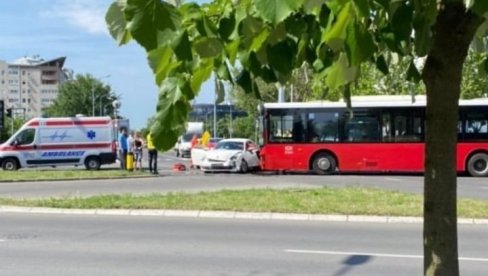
(392, 179)
(2, 240)
(299, 251)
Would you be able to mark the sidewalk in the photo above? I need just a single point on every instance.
(228, 215)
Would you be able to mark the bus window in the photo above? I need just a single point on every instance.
(362, 127)
(281, 128)
(476, 126)
(323, 127)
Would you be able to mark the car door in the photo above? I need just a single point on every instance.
(25, 143)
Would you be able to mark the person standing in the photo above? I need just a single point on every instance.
(130, 152)
(138, 144)
(122, 143)
(153, 155)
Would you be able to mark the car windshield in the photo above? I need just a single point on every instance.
(230, 145)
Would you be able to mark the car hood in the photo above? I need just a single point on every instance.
(221, 155)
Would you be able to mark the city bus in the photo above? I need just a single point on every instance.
(377, 134)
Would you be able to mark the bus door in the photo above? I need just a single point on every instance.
(287, 138)
(402, 147)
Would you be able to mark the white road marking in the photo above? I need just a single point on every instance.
(374, 254)
(2, 240)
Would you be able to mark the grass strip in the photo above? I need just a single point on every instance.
(346, 201)
(53, 174)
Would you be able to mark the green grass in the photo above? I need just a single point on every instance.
(52, 174)
(350, 201)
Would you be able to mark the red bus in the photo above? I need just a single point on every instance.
(383, 134)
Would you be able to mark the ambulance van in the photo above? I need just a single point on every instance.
(77, 141)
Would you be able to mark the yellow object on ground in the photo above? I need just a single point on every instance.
(130, 161)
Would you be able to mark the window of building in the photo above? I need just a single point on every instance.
(49, 81)
(13, 72)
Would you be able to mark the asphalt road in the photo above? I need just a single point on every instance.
(195, 181)
(119, 245)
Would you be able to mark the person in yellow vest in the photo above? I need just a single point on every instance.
(153, 155)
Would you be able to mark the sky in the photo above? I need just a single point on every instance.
(76, 29)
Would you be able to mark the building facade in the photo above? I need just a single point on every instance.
(205, 112)
(30, 84)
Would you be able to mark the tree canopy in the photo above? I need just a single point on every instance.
(81, 96)
(268, 39)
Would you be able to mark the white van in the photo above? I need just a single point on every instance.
(88, 141)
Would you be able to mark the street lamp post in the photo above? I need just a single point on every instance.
(93, 95)
(230, 118)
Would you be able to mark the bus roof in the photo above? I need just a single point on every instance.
(371, 101)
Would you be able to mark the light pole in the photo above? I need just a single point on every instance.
(229, 102)
(93, 94)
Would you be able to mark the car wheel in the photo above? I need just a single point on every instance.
(244, 168)
(92, 163)
(10, 164)
(324, 163)
(478, 165)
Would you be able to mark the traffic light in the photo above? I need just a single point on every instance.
(9, 112)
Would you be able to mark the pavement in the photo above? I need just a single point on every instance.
(229, 215)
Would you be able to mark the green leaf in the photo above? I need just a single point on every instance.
(423, 39)
(172, 112)
(220, 90)
(145, 18)
(340, 73)
(413, 73)
(208, 47)
(281, 56)
(259, 40)
(116, 24)
(244, 81)
(363, 7)
(206, 27)
(249, 28)
(161, 63)
(232, 49)
(182, 47)
(401, 22)
(382, 65)
(201, 74)
(275, 11)
(336, 34)
(359, 44)
(227, 26)
(480, 7)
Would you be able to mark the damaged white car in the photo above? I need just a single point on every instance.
(231, 155)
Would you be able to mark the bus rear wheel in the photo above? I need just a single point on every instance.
(324, 163)
(478, 165)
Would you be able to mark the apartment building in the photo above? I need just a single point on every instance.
(30, 84)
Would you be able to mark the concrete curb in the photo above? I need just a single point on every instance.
(228, 215)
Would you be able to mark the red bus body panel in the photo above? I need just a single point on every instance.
(359, 157)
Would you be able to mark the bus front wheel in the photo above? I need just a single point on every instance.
(478, 165)
(324, 163)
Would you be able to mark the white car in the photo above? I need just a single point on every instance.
(231, 155)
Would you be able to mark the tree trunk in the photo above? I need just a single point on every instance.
(452, 34)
